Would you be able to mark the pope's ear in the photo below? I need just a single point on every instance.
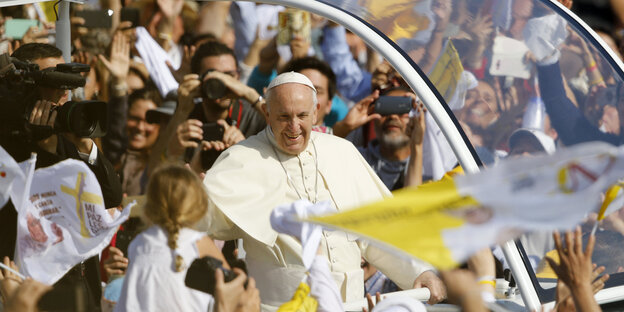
(315, 114)
(265, 110)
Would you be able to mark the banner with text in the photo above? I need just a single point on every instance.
(62, 220)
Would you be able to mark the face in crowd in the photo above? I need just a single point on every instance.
(57, 96)
(480, 108)
(391, 129)
(224, 63)
(141, 134)
(291, 113)
(526, 147)
(321, 83)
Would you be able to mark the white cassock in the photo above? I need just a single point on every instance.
(247, 181)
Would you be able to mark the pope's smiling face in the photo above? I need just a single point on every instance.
(290, 111)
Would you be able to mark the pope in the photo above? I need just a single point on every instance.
(286, 162)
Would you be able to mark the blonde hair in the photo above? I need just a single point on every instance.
(175, 198)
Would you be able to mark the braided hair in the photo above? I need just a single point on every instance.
(176, 199)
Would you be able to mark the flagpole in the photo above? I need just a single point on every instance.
(28, 182)
(6, 267)
(593, 231)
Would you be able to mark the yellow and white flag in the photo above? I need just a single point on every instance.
(445, 222)
(61, 219)
(450, 78)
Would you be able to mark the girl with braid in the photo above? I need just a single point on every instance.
(159, 256)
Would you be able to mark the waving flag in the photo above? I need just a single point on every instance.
(61, 219)
(9, 171)
(445, 222)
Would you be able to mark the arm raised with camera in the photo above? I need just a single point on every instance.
(357, 116)
(239, 89)
(188, 90)
(416, 132)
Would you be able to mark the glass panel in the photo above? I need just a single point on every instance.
(520, 80)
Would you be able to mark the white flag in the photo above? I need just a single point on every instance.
(62, 220)
(9, 171)
(154, 57)
(445, 222)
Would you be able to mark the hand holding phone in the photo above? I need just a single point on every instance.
(291, 23)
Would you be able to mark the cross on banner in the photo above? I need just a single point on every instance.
(80, 195)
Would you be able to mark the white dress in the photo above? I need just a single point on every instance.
(151, 282)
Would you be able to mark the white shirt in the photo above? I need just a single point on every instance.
(151, 282)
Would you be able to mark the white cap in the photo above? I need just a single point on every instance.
(291, 77)
(545, 142)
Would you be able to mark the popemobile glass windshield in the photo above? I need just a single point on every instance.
(519, 79)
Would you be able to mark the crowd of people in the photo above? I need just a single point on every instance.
(213, 121)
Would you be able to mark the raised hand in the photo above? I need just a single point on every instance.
(299, 47)
(119, 63)
(185, 66)
(575, 268)
(357, 116)
(170, 8)
(187, 91)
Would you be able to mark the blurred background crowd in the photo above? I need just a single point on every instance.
(511, 96)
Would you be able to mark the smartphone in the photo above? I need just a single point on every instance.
(130, 15)
(390, 105)
(201, 274)
(131, 229)
(96, 18)
(16, 28)
(213, 131)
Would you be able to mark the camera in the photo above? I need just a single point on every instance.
(212, 132)
(213, 89)
(201, 274)
(20, 84)
(390, 105)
